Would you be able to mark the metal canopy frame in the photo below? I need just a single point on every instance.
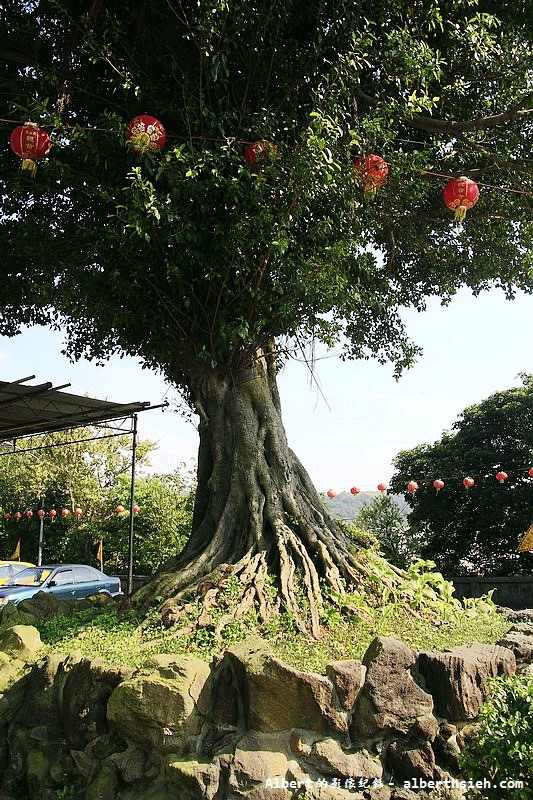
(27, 411)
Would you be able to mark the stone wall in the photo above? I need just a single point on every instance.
(246, 727)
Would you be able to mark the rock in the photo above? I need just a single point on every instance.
(21, 641)
(14, 678)
(194, 780)
(258, 757)
(276, 697)
(261, 755)
(85, 764)
(45, 605)
(457, 679)
(104, 785)
(347, 677)
(524, 615)
(12, 615)
(466, 733)
(87, 688)
(521, 644)
(43, 699)
(130, 763)
(406, 760)
(445, 746)
(162, 704)
(522, 627)
(390, 700)
(327, 757)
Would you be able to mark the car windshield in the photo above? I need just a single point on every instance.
(32, 576)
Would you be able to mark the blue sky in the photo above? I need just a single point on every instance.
(348, 432)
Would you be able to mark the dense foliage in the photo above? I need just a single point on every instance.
(221, 257)
(83, 468)
(501, 751)
(476, 529)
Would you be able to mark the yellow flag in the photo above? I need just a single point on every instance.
(100, 553)
(527, 542)
(16, 553)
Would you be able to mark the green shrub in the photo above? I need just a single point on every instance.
(502, 748)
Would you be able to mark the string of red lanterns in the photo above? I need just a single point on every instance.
(120, 509)
(146, 134)
(52, 513)
(41, 513)
(438, 484)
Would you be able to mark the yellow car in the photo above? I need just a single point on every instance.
(8, 569)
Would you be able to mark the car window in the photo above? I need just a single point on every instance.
(86, 574)
(4, 570)
(30, 577)
(64, 576)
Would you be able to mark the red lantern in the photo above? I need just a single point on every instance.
(145, 134)
(501, 476)
(382, 487)
(370, 173)
(40, 513)
(52, 513)
(29, 514)
(412, 486)
(331, 493)
(119, 509)
(258, 152)
(530, 472)
(460, 195)
(30, 143)
(78, 511)
(136, 509)
(7, 516)
(18, 515)
(468, 482)
(438, 484)
(355, 490)
(65, 512)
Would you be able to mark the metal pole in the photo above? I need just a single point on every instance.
(132, 493)
(40, 552)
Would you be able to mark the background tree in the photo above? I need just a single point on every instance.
(63, 470)
(211, 269)
(383, 517)
(161, 528)
(475, 530)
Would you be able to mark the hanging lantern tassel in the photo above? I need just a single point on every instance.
(459, 195)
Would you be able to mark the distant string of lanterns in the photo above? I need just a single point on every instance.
(52, 513)
(146, 134)
(412, 486)
(41, 513)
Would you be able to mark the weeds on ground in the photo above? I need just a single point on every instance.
(422, 613)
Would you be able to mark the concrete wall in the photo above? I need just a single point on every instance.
(514, 591)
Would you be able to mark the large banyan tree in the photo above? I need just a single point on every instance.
(213, 267)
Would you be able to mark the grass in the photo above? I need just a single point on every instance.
(101, 632)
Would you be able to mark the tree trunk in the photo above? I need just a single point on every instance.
(257, 515)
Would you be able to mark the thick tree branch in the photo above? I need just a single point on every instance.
(453, 127)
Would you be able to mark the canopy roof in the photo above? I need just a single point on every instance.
(27, 410)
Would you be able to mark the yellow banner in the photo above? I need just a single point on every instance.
(527, 542)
